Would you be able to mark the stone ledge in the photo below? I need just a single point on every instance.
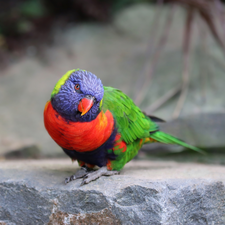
(146, 192)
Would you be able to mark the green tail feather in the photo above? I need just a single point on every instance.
(169, 139)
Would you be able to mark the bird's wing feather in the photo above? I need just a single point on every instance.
(131, 123)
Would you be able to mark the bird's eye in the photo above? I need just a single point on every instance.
(77, 87)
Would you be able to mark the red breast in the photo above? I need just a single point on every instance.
(79, 136)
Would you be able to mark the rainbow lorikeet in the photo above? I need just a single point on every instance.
(98, 126)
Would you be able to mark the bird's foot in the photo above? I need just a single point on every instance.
(83, 171)
(98, 173)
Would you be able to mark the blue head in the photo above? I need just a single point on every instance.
(77, 96)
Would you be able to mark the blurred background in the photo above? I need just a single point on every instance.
(167, 55)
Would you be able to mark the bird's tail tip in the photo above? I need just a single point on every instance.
(169, 139)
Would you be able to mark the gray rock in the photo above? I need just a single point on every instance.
(151, 193)
(136, 20)
(26, 152)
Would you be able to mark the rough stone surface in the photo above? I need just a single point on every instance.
(146, 192)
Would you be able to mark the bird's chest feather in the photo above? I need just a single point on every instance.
(79, 136)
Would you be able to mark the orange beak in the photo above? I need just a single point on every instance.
(85, 104)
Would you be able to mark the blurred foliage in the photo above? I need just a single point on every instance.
(32, 8)
(25, 23)
(16, 16)
(119, 4)
(29, 22)
(20, 16)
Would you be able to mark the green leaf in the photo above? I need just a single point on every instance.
(33, 8)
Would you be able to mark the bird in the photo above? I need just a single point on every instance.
(99, 126)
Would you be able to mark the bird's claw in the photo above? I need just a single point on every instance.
(82, 172)
(90, 175)
(96, 174)
(71, 178)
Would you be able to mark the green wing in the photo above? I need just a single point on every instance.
(131, 123)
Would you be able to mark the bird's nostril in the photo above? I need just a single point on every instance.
(89, 97)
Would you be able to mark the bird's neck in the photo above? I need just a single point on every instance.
(79, 136)
(72, 115)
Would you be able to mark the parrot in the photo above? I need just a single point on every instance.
(99, 126)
